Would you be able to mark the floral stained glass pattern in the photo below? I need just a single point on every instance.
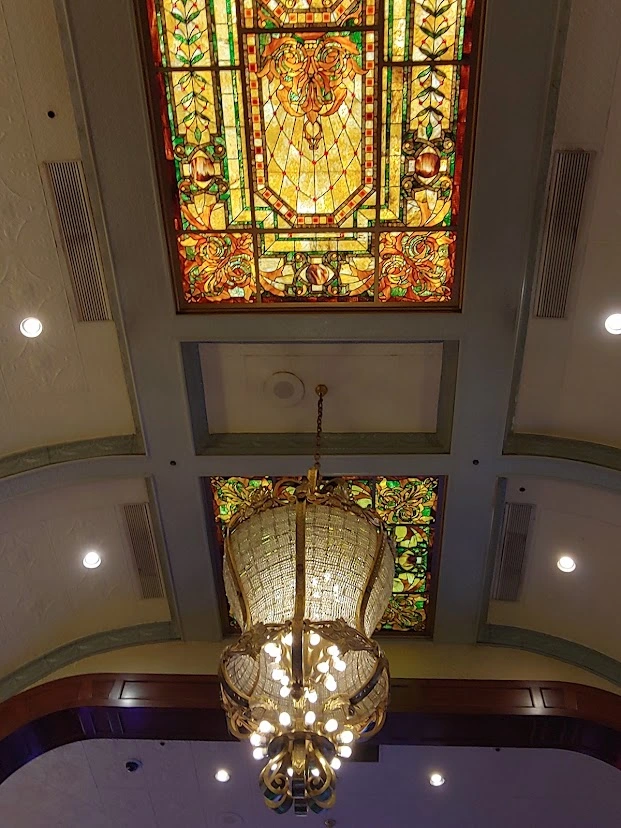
(410, 508)
(314, 157)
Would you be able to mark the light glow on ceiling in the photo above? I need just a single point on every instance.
(31, 327)
(613, 324)
(91, 560)
(566, 564)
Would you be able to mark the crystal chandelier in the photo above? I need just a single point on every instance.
(308, 574)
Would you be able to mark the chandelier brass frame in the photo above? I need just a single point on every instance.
(308, 574)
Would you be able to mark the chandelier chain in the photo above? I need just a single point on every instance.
(321, 391)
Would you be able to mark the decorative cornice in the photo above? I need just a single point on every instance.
(23, 461)
(37, 669)
(554, 647)
(543, 445)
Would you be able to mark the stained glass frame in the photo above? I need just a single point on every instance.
(412, 531)
(403, 268)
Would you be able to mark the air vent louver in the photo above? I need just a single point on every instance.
(565, 196)
(511, 554)
(142, 540)
(79, 239)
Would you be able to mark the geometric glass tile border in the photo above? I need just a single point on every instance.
(411, 509)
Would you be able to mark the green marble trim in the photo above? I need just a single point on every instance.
(24, 461)
(541, 445)
(437, 442)
(102, 642)
(554, 647)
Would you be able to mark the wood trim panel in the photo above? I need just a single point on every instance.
(422, 711)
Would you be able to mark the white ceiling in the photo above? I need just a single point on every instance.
(371, 387)
(585, 523)
(85, 785)
(569, 384)
(68, 384)
(47, 597)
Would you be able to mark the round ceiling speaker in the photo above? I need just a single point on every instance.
(284, 389)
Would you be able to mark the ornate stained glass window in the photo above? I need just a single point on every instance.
(410, 508)
(315, 151)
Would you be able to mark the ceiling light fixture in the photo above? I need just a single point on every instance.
(222, 775)
(306, 609)
(31, 327)
(566, 564)
(613, 324)
(91, 560)
(436, 779)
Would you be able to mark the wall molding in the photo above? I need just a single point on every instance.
(43, 666)
(23, 461)
(583, 451)
(554, 647)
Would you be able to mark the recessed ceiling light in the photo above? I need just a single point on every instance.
(222, 775)
(91, 560)
(31, 326)
(613, 324)
(566, 564)
(436, 779)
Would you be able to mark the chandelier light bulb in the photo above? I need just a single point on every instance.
(256, 740)
(265, 726)
(288, 639)
(284, 679)
(315, 771)
(314, 639)
(272, 649)
(331, 725)
(284, 691)
(340, 665)
(274, 766)
(289, 771)
(277, 674)
(323, 666)
(284, 719)
(347, 737)
(333, 650)
(436, 779)
(309, 718)
(312, 696)
(335, 764)
(330, 683)
(345, 751)
(259, 753)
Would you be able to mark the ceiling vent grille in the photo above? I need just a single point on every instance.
(144, 548)
(511, 555)
(79, 239)
(568, 179)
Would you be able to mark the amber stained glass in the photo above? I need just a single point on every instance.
(308, 166)
(409, 506)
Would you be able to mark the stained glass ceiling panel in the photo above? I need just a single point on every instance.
(411, 509)
(315, 151)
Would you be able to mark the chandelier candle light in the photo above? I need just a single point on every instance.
(308, 575)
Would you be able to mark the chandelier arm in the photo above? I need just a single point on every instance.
(363, 601)
(297, 627)
(382, 666)
(239, 587)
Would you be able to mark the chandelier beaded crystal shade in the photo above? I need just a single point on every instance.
(308, 575)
